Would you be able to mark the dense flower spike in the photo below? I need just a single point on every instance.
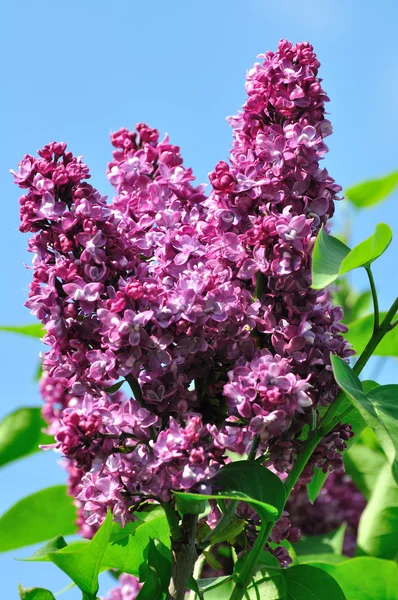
(202, 304)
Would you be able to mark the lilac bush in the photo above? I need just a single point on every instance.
(199, 301)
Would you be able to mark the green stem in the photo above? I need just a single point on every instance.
(375, 298)
(250, 563)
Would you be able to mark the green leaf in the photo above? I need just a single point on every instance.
(211, 583)
(330, 543)
(327, 257)
(300, 582)
(358, 424)
(305, 582)
(354, 417)
(37, 518)
(373, 191)
(82, 564)
(316, 484)
(232, 530)
(379, 408)
(152, 589)
(157, 556)
(363, 465)
(266, 586)
(115, 387)
(384, 399)
(21, 433)
(41, 555)
(306, 559)
(331, 258)
(127, 552)
(360, 331)
(32, 330)
(249, 482)
(222, 591)
(34, 593)
(367, 251)
(365, 578)
(348, 381)
(355, 304)
(378, 527)
(190, 506)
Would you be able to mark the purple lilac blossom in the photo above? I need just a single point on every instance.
(127, 590)
(202, 303)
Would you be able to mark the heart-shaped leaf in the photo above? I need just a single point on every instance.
(21, 434)
(378, 527)
(363, 465)
(152, 588)
(360, 331)
(330, 543)
(41, 555)
(373, 191)
(300, 582)
(34, 594)
(367, 251)
(348, 381)
(327, 256)
(32, 330)
(306, 581)
(83, 563)
(379, 408)
(126, 553)
(365, 578)
(249, 482)
(331, 258)
(37, 518)
(157, 556)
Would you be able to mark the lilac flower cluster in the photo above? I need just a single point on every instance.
(202, 304)
(128, 590)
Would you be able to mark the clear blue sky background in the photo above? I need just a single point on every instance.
(75, 71)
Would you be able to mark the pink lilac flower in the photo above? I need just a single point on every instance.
(128, 589)
(201, 303)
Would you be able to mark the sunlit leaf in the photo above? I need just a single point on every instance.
(378, 527)
(126, 553)
(32, 330)
(83, 564)
(157, 556)
(372, 191)
(363, 465)
(367, 251)
(365, 578)
(21, 434)
(331, 258)
(36, 518)
(360, 331)
(306, 582)
(379, 408)
(34, 594)
(329, 543)
(327, 257)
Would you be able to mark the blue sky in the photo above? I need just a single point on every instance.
(75, 71)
